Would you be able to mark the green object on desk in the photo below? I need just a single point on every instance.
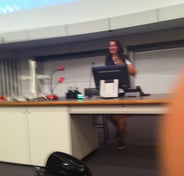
(80, 96)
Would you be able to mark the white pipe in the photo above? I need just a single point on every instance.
(32, 66)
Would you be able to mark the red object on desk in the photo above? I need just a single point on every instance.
(52, 97)
(2, 98)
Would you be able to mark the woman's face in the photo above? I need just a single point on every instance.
(113, 48)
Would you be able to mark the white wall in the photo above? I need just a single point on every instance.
(76, 12)
(159, 70)
(77, 73)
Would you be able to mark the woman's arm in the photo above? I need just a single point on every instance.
(131, 69)
(130, 66)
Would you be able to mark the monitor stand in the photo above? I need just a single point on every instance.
(136, 92)
(109, 89)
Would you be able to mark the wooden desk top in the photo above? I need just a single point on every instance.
(152, 99)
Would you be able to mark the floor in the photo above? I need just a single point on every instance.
(16, 170)
(134, 161)
(108, 161)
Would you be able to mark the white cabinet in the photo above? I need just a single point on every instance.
(14, 140)
(49, 130)
(28, 135)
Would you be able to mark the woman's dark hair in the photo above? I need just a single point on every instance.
(121, 54)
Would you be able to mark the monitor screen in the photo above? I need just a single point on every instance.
(109, 73)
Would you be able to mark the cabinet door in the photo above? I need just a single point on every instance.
(14, 140)
(50, 130)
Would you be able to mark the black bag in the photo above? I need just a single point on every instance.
(62, 164)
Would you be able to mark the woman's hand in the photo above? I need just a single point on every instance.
(131, 68)
(118, 62)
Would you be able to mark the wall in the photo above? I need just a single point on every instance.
(158, 70)
(77, 74)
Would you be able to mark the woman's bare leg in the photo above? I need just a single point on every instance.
(121, 124)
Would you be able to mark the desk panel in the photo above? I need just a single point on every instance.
(119, 109)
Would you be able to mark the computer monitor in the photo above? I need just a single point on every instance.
(109, 73)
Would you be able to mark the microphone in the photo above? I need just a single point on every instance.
(90, 79)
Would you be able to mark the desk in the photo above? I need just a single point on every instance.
(30, 131)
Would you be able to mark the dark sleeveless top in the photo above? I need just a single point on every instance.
(109, 60)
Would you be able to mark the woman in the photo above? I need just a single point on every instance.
(116, 57)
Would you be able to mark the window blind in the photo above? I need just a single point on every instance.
(9, 77)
